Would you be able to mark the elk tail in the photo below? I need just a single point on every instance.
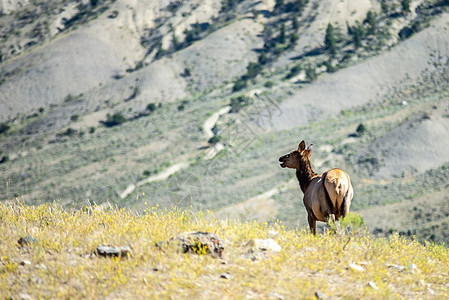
(343, 205)
(326, 193)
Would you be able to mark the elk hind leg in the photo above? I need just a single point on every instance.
(312, 223)
(329, 218)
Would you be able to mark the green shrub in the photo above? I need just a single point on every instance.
(4, 159)
(74, 118)
(69, 98)
(330, 41)
(353, 221)
(361, 129)
(114, 120)
(68, 132)
(4, 127)
(294, 37)
(329, 66)
(151, 107)
(237, 103)
(253, 69)
(311, 73)
(294, 71)
(239, 85)
(214, 140)
(183, 104)
(262, 59)
(405, 4)
(269, 84)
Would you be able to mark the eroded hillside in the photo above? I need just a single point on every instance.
(190, 103)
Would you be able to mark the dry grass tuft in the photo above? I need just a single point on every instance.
(59, 262)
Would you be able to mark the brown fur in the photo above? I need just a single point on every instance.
(327, 195)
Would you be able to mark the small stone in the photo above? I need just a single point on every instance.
(275, 295)
(397, 267)
(421, 282)
(356, 267)
(255, 256)
(200, 242)
(225, 276)
(117, 251)
(414, 269)
(268, 244)
(27, 241)
(25, 296)
(373, 285)
(159, 268)
(273, 233)
(25, 262)
(320, 295)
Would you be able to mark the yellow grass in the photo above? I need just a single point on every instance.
(62, 264)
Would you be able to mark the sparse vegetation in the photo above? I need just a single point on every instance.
(151, 107)
(214, 140)
(330, 42)
(294, 71)
(4, 127)
(4, 159)
(353, 265)
(237, 103)
(40, 171)
(361, 129)
(69, 98)
(74, 118)
(69, 132)
(113, 120)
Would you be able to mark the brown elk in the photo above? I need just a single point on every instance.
(327, 196)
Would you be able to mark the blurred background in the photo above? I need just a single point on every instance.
(191, 103)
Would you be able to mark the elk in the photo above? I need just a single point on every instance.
(327, 196)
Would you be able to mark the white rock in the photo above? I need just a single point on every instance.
(268, 244)
(414, 268)
(356, 267)
(25, 262)
(397, 267)
(273, 232)
(373, 285)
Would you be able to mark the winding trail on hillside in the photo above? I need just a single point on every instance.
(210, 153)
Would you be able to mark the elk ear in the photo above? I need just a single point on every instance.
(308, 152)
(302, 146)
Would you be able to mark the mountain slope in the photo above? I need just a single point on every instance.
(115, 105)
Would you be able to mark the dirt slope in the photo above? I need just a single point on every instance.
(367, 81)
(417, 145)
(71, 64)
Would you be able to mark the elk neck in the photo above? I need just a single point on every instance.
(305, 174)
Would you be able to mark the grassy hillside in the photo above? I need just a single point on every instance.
(56, 259)
(190, 103)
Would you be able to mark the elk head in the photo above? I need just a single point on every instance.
(294, 159)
